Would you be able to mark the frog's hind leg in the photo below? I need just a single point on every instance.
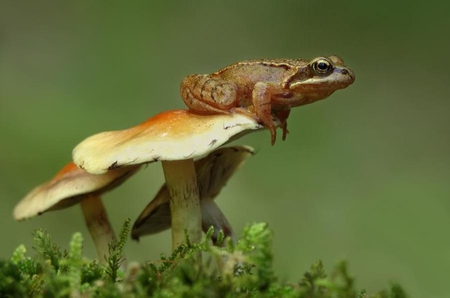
(203, 93)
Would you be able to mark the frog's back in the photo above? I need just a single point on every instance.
(249, 72)
(283, 63)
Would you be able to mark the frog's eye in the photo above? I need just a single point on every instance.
(322, 67)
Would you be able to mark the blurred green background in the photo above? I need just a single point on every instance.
(363, 175)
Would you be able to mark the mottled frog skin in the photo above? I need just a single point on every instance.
(263, 89)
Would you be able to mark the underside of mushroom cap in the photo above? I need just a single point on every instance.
(68, 187)
(213, 172)
(171, 135)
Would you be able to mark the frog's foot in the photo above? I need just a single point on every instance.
(282, 116)
(273, 132)
(285, 131)
(270, 125)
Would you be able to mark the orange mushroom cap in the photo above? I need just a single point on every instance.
(171, 135)
(68, 187)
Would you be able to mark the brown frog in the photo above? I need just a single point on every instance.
(262, 89)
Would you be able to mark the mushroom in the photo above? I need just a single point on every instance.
(175, 138)
(70, 186)
(213, 172)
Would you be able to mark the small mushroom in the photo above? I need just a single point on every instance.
(213, 172)
(71, 186)
(175, 138)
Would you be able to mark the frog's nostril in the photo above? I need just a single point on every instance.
(348, 72)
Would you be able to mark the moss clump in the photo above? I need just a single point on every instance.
(245, 271)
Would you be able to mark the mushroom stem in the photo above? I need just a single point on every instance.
(98, 224)
(181, 181)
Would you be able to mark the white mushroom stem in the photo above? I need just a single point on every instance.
(98, 224)
(181, 181)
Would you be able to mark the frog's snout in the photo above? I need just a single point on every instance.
(348, 74)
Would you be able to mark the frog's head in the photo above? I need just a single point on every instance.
(320, 77)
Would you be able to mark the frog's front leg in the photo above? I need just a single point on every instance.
(261, 97)
(203, 93)
(282, 115)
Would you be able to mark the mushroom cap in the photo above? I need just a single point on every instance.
(171, 135)
(213, 172)
(69, 186)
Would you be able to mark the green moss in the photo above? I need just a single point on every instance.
(246, 271)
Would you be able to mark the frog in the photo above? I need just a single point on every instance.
(266, 89)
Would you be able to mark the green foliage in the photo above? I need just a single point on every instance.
(116, 258)
(244, 270)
